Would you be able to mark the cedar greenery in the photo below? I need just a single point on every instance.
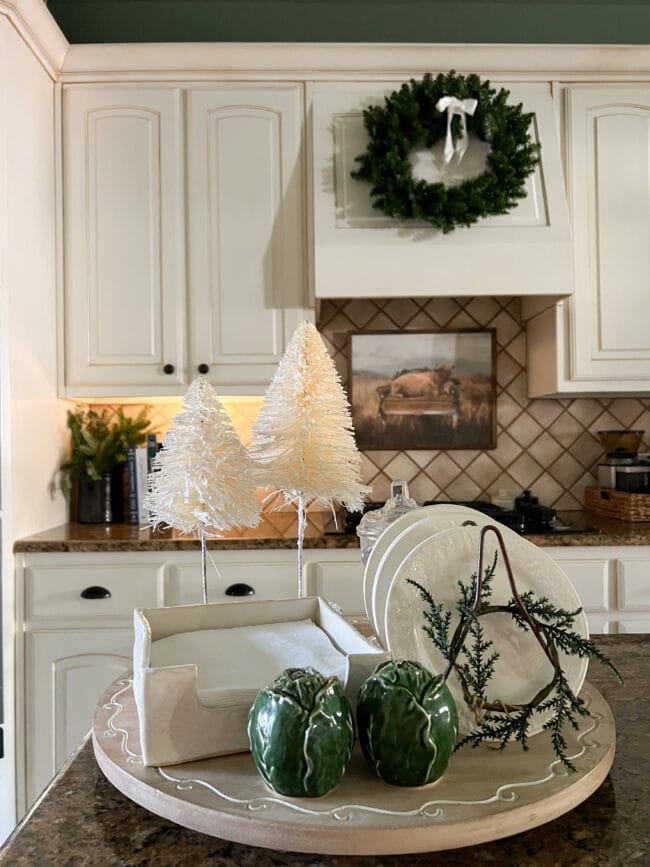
(409, 119)
(469, 653)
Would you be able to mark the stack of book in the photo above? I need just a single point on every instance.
(139, 461)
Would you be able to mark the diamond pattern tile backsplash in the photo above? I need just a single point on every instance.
(549, 446)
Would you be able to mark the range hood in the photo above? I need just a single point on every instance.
(359, 252)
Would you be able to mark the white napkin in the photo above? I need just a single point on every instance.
(249, 657)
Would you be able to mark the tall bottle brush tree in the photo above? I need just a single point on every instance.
(303, 439)
(203, 479)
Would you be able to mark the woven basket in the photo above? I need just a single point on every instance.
(618, 504)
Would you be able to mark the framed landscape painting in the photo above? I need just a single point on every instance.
(423, 389)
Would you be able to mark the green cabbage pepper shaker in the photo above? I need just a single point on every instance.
(407, 723)
(301, 732)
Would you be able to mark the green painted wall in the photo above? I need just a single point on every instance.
(568, 21)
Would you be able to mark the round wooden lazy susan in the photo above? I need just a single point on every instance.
(486, 794)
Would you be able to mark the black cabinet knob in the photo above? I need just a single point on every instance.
(96, 592)
(203, 368)
(168, 369)
(239, 590)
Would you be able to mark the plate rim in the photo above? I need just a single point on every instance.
(379, 610)
(403, 521)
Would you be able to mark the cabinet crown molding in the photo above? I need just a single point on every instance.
(39, 30)
(358, 61)
(316, 61)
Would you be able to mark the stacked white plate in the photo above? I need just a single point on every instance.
(397, 542)
(437, 547)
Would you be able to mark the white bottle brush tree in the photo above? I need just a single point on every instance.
(303, 438)
(203, 479)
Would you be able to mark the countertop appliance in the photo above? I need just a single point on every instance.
(623, 468)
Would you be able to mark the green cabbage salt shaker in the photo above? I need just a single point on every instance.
(301, 732)
(407, 723)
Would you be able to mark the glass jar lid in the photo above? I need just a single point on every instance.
(373, 524)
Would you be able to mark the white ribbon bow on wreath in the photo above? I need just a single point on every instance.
(460, 107)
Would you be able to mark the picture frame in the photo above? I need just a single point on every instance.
(412, 390)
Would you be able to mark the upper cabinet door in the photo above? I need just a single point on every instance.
(608, 131)
(246, 239)
(124, 266)
(360, 252)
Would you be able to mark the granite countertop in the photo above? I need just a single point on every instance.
(81, 819)
(586, 528)
(129, 537)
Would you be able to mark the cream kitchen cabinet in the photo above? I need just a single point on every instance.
(594, 576)
(598, 342)
(183, 236)
(67, 671)
(336, 575)
(77, 611)
(123, 235)
(268, 574)
(613, 584)
(245, 231)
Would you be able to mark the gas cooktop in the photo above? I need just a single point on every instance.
(528, 517)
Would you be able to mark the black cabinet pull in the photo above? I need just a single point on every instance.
(96, 592)
(168, 369)
(240, 590)
(203, 368)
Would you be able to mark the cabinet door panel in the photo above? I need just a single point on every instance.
(246, 237)
(633, 585)
(628, 627)
(124, 257)
(339, 583)
(600, 624)
(590, 579)
(244, 151)
(66, 674)
(609, 139)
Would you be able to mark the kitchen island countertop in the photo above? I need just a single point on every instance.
(82, 819)
(588, 529)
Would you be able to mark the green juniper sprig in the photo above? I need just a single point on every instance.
(566, 707)
(558, 623)
(437, 622)
(470, 654)
(502, 728)
(478, 669)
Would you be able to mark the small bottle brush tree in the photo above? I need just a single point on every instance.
(203, 479)
(303, 440)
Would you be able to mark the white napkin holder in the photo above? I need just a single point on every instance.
(175, 724)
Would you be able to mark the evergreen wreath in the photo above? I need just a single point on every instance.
(409, 118)
(469, 653)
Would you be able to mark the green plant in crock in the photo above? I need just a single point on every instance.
(99, 442)
(407, 723)
(301, 732)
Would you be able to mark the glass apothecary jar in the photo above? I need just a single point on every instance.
(373, 524)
